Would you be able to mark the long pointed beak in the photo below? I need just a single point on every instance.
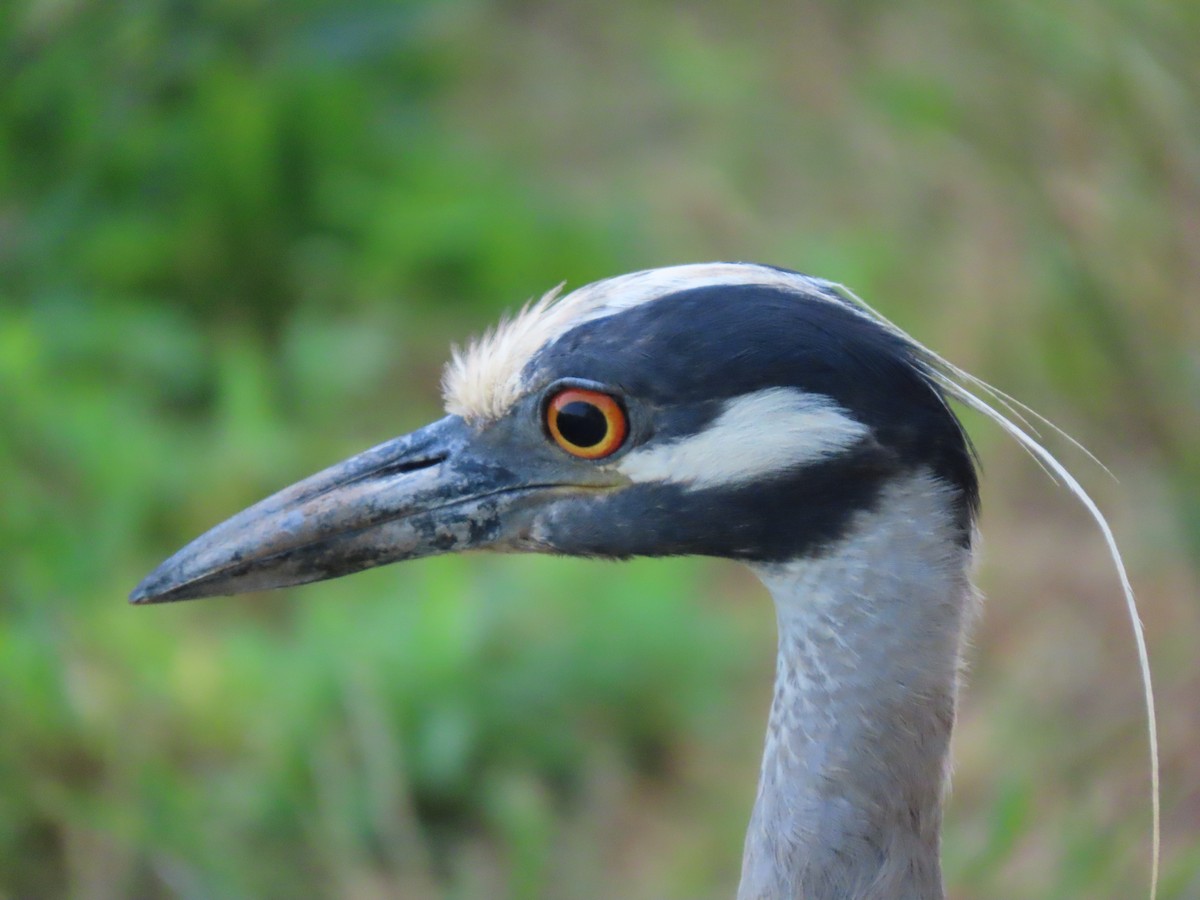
(417, 495)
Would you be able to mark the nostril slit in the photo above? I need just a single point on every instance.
(409, 465)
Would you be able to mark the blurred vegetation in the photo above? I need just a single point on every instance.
(235, 240)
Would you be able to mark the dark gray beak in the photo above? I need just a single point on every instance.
(432, 491)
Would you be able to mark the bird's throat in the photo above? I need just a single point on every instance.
(856, 758)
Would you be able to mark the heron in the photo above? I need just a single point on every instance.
(730, 410)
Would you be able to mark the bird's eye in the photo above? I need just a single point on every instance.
(587, 424)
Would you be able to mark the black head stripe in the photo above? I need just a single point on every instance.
(701, 346)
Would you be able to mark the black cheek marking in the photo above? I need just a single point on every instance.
(769, 520)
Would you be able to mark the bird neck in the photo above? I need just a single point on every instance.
(856, 758)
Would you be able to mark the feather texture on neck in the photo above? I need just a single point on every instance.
(856, 758)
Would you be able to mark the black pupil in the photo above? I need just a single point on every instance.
(583, 424)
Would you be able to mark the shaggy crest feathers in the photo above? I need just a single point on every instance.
(483, 380)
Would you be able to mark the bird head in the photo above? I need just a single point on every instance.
(724, 409)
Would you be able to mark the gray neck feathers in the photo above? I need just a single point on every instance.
(856, 759)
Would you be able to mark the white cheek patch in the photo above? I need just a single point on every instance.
(769, 431)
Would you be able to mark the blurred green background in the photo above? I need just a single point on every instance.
(236, 240)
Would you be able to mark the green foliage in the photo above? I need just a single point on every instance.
(213, 210)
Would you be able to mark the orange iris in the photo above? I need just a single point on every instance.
(587, 424)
